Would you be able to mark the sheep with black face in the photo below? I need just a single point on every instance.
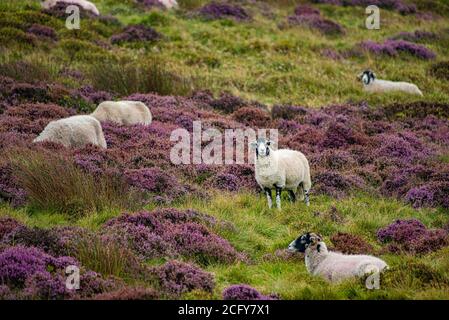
(281, 169)
(374, 85)
(334, 266)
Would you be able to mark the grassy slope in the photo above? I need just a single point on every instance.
(259, 61)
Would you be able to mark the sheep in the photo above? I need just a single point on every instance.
(75, 131)
(123, 112)
(281, 169)
(169, 4)
(86, 5)
(334, 266)
(371, 84)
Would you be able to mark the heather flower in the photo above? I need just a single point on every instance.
(135, 33)
(129, 293)
(42, 31)
(176, 278)
(413, 237)
(18, 263)
(417, 36)
(10, 190)
(287, 112)
(38, 111)
(8, 225)
(215, 10)
(306, 10)
(252, 117)
(89, 94)
(350, 244)
(394, 47)
(313, 21)
(45, 286)
(245, 292)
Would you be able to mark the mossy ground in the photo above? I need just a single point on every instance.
(260, 61)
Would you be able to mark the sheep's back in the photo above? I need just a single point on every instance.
(295, 165)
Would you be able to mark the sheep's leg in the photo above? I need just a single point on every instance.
(306, 198)
(292, 195)
(269, 197)
(300, 192)
(278, 197)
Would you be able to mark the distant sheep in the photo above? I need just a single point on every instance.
(169, 4)
(86, 5)
(281, 169)
(371, 84)
(74, 132)
(334, 266)
(123, 112)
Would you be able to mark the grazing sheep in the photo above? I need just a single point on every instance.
(371, 84)
(169, 4)
(281, 169)
(334, 266)
(123, 112)
(86, 5)
(75, 132)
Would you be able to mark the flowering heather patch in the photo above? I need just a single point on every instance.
(252, 117)
(302, 10)
(350, 244)
(10, 190)
(394, 47)
(176, 278)
(42, 31)
(129, 293)
(245, 292)
(170, 232)
(287, 112)
(38, 111)
(156, 181)
(417, 36)
(8, 225)
(19, 263)
(134, 33)
(91, 95)
(429, 195)
(44, 285)
(216, 10)
(398, 5)
(413, 237)
(314, 21)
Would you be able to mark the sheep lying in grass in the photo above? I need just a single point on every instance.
(334, 266)
(281, 169)
(371, 84)
(86, 5)
(123, 112)
(74, 132)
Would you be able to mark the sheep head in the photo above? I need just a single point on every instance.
(307, 240)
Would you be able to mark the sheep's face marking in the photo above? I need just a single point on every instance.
(262, 147)
(305, 241)
(367, 77)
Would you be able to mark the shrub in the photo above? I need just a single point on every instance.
(245, 292)
(53, 182)
(416, 36)
(135, 33)
(350, 243)
(19, 263)
(129, 293)
(215, 10)
(176, 278)
(43, 32)
(34, 69)
(8, 225)
(252, 117)
(310, 17)
(412, 237)
(287, 112)
(394, 47)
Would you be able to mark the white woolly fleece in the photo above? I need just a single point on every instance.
(123, 112)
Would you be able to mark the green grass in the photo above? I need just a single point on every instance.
(260, 231)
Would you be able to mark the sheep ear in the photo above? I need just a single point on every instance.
(268, 143)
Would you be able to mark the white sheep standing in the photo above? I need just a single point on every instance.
(281, 169)
(123, 112)
(334, 266)
(374, 85)
(75, 132)
(86, 5)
